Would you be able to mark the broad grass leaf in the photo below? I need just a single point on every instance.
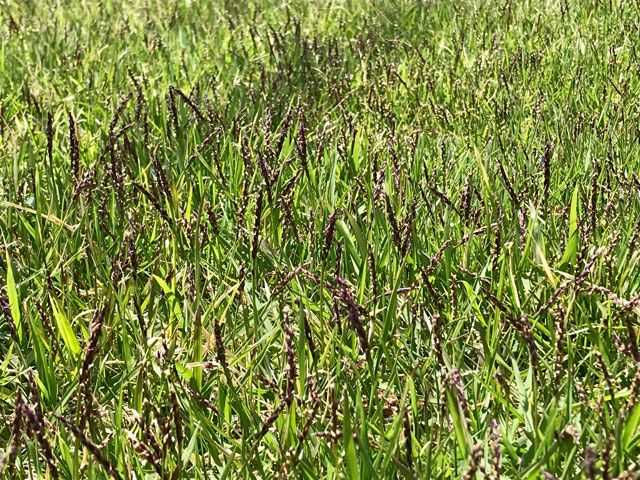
(12, 292)
(571, 251)
(62, 322)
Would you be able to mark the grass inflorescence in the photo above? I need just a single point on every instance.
(344, 239)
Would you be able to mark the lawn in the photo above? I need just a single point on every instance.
(359, 239)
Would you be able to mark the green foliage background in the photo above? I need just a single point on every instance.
(361, 239)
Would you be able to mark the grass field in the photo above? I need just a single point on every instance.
(308, 239)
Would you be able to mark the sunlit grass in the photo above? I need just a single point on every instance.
(319, 240)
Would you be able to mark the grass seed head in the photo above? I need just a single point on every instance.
(34, 417)
(220, 350)
(495, 453)
(74, 147)
(91, 353)
(256, 223)
(372, 272)
(338, 258)
(194, 108)
(161, 178)
(465, 197)
(17, 426)
(355, 321)
(291, 362)
(49, 133)
(329, 233)
(474, 462)
(6, 311)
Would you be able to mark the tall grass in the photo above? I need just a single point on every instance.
(319, 240)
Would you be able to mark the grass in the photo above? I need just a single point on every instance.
(343, 239)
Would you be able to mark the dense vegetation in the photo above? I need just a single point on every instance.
(345, 239)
